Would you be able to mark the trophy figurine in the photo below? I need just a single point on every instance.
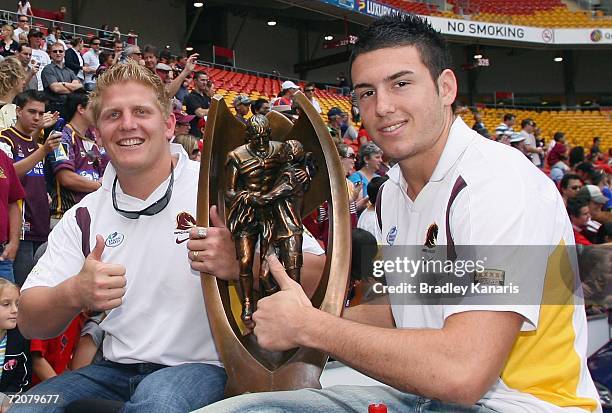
(265, 187)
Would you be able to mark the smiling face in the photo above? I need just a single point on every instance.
(133, 129)
(402, 109)
(9, 300)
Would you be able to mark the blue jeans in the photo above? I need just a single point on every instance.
(6, 270)
(143, 387)
(336, 399)
(24, 261)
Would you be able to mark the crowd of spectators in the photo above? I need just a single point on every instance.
(581, 174)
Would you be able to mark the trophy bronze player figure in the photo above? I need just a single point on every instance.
(266, 183)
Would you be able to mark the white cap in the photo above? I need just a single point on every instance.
(288, 84)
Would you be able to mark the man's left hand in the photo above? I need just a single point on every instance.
(49, 119)
(191, 63)
(277, 317)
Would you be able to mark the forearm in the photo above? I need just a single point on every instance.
(74, 86)
(61, 88)
(44, 312)
(25, 165)
(376, 313)
(384, 354)
(84, 353)
(41, 367)
(15, 222)
(74, 182)
(175, 85)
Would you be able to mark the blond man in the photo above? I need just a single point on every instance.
(122, 250)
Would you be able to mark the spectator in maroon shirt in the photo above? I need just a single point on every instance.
(11, 192)
(559, 151)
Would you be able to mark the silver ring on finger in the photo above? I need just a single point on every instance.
(195, 254)
(202, 232)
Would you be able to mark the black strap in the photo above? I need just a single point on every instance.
(378, 206)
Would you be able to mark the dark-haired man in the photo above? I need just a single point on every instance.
(28, 157)
(198, 101)
(504, 129)
(570, 185)
(79, 171)
(463, 355)
(532, 151)
(30, 67)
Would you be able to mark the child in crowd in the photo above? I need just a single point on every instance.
(51, 357)
(15, 374)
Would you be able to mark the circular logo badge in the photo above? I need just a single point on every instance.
(596, 35)
(547, 35)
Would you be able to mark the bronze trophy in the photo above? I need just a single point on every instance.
(263, 179)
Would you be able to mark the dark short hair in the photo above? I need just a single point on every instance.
(257, 104)
(509, 116)
(527, 122)
(149, 48)
(30, 95)
(558, 136)
(103, 56)
(406, 30)
(576, 155)
(574, 205)
(374, 186)
(73, 101)
(93, 39)
(586, 167)
(196, 75)
(21, 46)
(566, 178)
(596, 139)
(310, 84)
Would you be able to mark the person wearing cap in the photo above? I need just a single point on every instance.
(35, 38)
(516, 140)
(334, 123)
(183, 123)
(242, 105)
(531, 149)
(595, 201)
(285, 97)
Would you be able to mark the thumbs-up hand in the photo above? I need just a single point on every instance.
(100, 286)
(212, 250)
(277, 325)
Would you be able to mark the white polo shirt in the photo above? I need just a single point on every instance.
(481, 194)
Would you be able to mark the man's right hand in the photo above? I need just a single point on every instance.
(100, 286)
(52, 142)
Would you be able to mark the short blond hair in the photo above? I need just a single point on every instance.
(129, 71)
(11, 74)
